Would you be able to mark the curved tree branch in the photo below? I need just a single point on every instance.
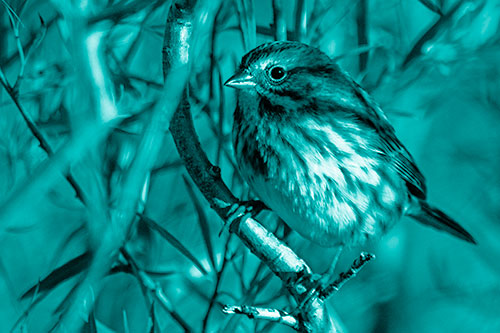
(292, 270)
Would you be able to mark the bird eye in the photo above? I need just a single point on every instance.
(277, 73)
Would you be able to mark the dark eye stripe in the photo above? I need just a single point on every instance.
(322, 69)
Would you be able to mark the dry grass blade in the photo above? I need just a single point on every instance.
(124, 212)
(60, 274)
(433, 5)
(215, 293)
(246, 18)
(12, 91)
(91, 325)
(301, 20)
(10, 10)
(126, 326)
(173, 241)
(152, 317)
(279, 25)
(361, 21)
(317, 30)
(202, 220)
(21, 200)
(416, 50)
(155, 288)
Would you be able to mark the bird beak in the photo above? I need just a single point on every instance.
(241, 80)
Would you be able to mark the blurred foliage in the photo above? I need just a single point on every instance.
(433, 66)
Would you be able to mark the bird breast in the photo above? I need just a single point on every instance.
(317, 177)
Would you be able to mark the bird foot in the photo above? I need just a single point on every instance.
(310, 285)
(242, 210)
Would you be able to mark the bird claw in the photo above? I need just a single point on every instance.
(241, 211)
(311, 284)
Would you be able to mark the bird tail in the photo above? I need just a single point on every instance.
(435, 218)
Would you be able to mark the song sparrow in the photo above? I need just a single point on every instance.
(318, 150)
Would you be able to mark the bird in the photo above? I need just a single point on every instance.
(318, 150)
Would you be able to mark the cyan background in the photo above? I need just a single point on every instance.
(444, 104)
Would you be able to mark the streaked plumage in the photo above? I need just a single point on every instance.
(318, 151)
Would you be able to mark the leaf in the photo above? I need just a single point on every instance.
(68, 299)
(91, 326)
(173, 241)
(433, 5)
(126, 327)
(65, 242)
(152, 317)
(202, 220)
(60, 274)
(11, 11)
(430, 33)
(160, 274)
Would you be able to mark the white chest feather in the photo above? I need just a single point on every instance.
(323, 192)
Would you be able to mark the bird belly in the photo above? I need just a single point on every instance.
(328, 200)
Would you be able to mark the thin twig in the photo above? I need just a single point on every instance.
(272, 315)
(13, 93)
(356, 266)
(7, 61)
(217, 284)
(155, 289)
(15, 29)
(443, 20)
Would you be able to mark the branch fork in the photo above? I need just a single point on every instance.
(315, 293)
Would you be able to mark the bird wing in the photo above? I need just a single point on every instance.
(390, 146)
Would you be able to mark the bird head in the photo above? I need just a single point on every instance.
(285, 73)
